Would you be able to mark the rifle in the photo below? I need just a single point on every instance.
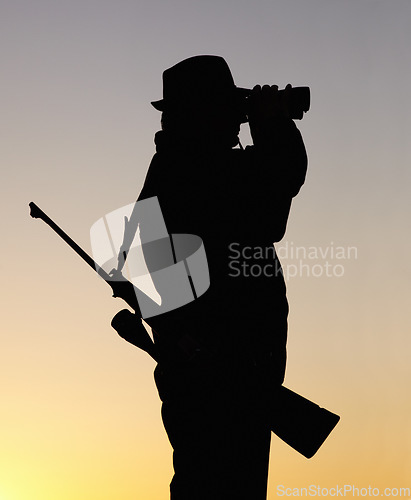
(299, 422)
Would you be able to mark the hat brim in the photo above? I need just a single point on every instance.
(161, 104)
(158, 105)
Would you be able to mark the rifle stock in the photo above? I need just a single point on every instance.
(299, 422)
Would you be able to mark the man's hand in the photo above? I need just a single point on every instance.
(268, 112)
(131, 328)
(266, 102)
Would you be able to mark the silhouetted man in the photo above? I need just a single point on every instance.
(222, 355)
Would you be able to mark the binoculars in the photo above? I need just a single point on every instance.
(298, 103)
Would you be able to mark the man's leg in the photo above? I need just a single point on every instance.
(220, 439)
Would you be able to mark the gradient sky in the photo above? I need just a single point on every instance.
(80, 415)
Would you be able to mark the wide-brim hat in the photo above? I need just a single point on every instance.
(198, 80)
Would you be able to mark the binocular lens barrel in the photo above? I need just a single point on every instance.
(299, 101)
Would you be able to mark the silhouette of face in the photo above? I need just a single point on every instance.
(222, 124)
(214, 124)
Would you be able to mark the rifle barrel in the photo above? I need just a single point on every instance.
(37, 213)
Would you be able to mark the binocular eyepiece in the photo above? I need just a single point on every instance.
(298, 103)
